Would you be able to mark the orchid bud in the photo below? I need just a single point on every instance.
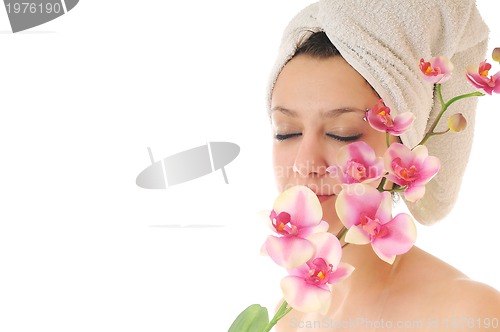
(457, 122)
(496, 54)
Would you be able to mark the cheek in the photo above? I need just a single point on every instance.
(282, 164)
(378, 142)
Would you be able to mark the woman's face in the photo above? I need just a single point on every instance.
(318, 106)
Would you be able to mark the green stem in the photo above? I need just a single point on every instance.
(467, 95)
(440, 95)
(398, 189)
(438, 118)
(282, 311)
(388, 139)
(382, 184)
(444, 107)
(341, 233)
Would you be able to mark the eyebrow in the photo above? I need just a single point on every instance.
(333, 113)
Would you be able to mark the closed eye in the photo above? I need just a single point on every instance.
(345, 138)
(282, 137)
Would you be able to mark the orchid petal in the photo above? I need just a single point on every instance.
(414, 193)
(305, 297)
(443, 63)
(478, 82)
(386, 258)
(289, 252)
(343, 155)
(430, 167)
(402, 122)
(400, 237)
(446, 68)
(302, 204)
(384, 211)
(379, 126)
(397, 150)
(357, 162)
(412, 168)
(305, 232)
(496, 78)
(358, 151)
(299, 271)
(437, 70)
(356, 235)
(379, 117)
(354, 200)
(327, 246)
(478, 76)
(419, 153)
(342, 272)
(263, 216)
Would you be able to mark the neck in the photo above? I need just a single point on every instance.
(364, 259)
(369, 285)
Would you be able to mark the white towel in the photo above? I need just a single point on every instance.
(384, 41)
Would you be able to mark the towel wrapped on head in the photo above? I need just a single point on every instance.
(384, 41)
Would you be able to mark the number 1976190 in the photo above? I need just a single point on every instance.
(33, 8)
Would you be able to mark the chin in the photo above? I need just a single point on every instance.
(328, 205)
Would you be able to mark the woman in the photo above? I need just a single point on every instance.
(318, 96)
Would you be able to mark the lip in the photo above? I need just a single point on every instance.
(321, 195)
(323, 198)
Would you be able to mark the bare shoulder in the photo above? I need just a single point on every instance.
(421, 289)
(475, 299)
(446, 291)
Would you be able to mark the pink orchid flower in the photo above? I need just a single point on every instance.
(307, 288)
(412, 168)
(380, 119)
(296, 215)
(367, 215)
(357, 162)
(478, 76)
(438, 70)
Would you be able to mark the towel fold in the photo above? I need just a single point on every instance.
(384, 41)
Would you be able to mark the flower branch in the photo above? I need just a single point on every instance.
(444, 108)
(280, 313)
(341, 233)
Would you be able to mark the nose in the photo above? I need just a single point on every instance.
(311, 158)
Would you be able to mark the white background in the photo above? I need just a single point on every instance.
(82, 248)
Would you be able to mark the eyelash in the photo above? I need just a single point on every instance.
(345, 138)
(282, 137)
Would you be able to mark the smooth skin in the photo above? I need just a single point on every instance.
(318, 106)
